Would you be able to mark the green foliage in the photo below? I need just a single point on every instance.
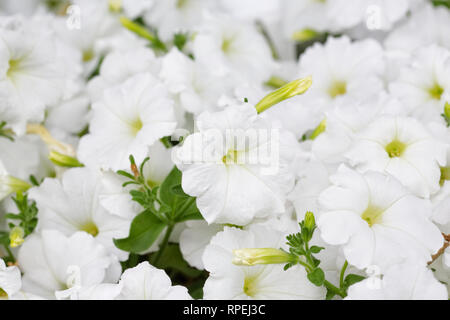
(351, 279)
(445, 3)
(299, 246)
(144, 231)
(163, 207)
(180, 40)
(27, 215)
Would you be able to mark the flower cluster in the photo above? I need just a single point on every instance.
(223, 149)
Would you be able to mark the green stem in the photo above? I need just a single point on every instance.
(164, 244)
(269, 41)
(334, 289)
(10, 254)
(341, 278)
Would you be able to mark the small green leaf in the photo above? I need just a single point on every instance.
(317, 277)
(316, 249)
(351, 279)
(144, 231)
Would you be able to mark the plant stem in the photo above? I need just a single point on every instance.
(10, 254)
(164, 244)
(334, 289)
(341, 279)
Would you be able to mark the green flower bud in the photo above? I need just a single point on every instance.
(287, 91)
(63, 160)
(254, 256)
(310, 221)
(9, 185)
(304, 35)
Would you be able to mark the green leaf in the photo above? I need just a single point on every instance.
(172, 181)
(144, 230)
(172, 258)
(316, 249)
(177, 190)
(317, 277)
(179, 40)
(183, 206)
(351, 279)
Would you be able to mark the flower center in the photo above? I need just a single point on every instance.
(231, 157)
(436, 91)
(227, 44)
(250, 286)
(136, 126)
(181, 3)
(372, 215)
(14, 66)
(90, 228)
(337, 88)
(88, 55)
(395, 148)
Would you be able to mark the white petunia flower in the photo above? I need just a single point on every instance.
(31, 76)
(338, 15)
(341, 68)
(145, 282)
(237, 181)
(118, 66)
(72, 205)
(424, 83)
(173, 16)
(376, 220)
(196, 87)
(229, 281)
(222, 45)
(403, 148)
(406, 281)
(426, 26)
(195, 238)
(313, 178)
(48, 259)
(129, 119)
(10, 280)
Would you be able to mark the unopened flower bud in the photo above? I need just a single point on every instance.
(63, 160)
(310, 221)
(304, 35)
(254, 256)
(287, 91)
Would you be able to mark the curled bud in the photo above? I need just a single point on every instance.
(287, 91)
(254, 256)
